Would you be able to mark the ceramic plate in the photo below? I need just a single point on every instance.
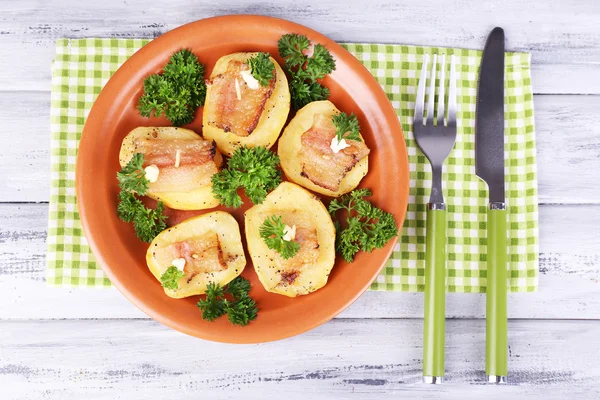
(122, 255)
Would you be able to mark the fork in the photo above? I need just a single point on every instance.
(435, 141)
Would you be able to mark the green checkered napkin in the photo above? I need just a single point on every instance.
(83, 66)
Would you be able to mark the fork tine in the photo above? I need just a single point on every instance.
(420, 100)
(441, 91)
(431, 92)
(452, 94)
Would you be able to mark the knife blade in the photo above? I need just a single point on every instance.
(489, 120)
(489, 166)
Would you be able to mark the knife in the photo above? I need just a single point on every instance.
(489, 166)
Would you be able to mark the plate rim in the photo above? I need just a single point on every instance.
(105, 96)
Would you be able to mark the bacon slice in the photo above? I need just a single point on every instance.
(306, 236)
(238, 115)
(319, 163)
(163, 152)
(196, 163)
(202, 254)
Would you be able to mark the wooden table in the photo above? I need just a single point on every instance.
(92, 343)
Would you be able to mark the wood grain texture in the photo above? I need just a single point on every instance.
(569, 265)
(25, 159)
(142, 359)
(562, 36)
(567, 128)
(93, 344)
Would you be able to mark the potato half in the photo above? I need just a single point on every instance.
(292, 277)
(179, 241)
(290, 145)
(272, 119)
(199, 198)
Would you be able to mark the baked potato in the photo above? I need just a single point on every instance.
(237, 113)
(209, 244)
(302, 211)
(184, 162)
(308, 159)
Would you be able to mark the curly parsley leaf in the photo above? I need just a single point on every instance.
(238, 288)
(262, 68)
(242, 311)
(320, 64)
(147, 222)
(128, 206)
(177, 92)
(253, 169)
(367, 227)
(303, 92)
(349, 200)
(232, 300)
(272, 231)
(225, 185)
(292, 47)
(170, 278)
(132, 177)
(305, 71)
(213, 306)
(346, 126)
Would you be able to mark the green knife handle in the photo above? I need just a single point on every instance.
(435, 294)
(496, 308)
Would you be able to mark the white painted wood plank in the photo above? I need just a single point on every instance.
(569, 288)
(568, 148)
(370, 359)
(25, 154)
(562, 36)
(568, 140)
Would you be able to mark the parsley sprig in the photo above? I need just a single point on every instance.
(291, 47)
(253, 169)
(262, 68)
(170, 278)
(177, 92)
(272, 231)
(346, 126)
(233, 301)
(305, 72)
(368, 227)
(132, 176)
(147, 222)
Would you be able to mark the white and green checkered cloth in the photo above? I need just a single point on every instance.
(82, 67)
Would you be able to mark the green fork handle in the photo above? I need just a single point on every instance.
(496, 367)
(435, 294)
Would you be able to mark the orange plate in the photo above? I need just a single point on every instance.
(121, 254)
